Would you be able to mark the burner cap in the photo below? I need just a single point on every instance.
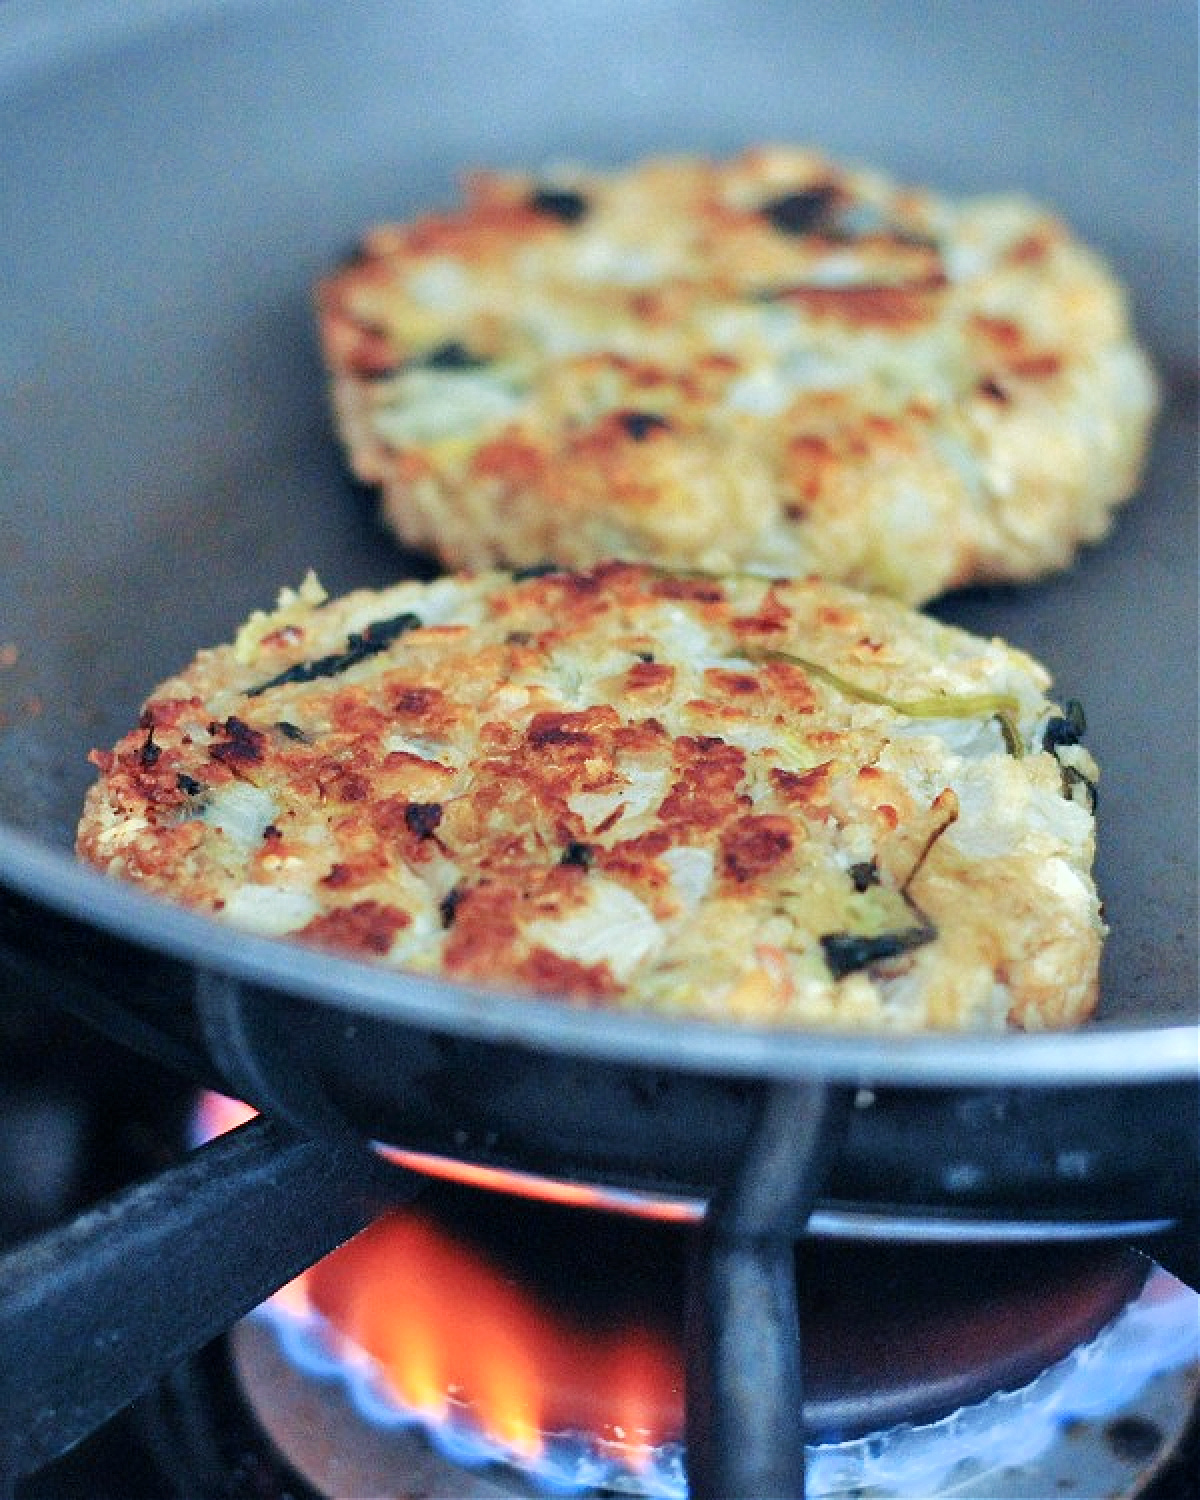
(894, 1336)
(910, 1333)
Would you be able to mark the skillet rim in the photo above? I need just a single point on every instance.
(1101, 1052)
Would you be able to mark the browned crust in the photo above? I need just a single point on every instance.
(774, 362)
(613, 787)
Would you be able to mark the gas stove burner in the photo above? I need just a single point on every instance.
(1064, 1378)
(1101, 1423)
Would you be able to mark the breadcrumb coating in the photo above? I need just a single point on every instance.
(775, 363)
(753, 800)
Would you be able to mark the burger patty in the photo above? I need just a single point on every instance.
(632, 787)
(774, 363)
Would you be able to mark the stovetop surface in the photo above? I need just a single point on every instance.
(80, 1118)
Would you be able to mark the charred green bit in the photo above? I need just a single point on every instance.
(423, 818)
(243, 744)
(803, 212)
(448, 905)
(535, 570)
(847, 952)
(451, 355)
(1003, 707)
(864, 874)
(293, 732)
(1061, 732)
(1067, 728)
(188, 785)
(640, 424)
(559, 203)
(376, 637)
(882, 920)
(580, 855)
(149, 753)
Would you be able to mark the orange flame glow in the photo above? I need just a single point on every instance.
(451, 1335)
(544, 1189)
(216, 1114)
(445, 1327)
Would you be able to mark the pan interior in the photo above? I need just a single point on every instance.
(174, 185)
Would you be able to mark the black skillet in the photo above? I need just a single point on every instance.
(173, 179)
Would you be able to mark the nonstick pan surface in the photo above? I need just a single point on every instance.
(175, 175)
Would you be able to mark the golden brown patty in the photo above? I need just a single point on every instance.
(774, 363)
(775, 802)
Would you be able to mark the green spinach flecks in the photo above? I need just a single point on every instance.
(535, 570)
(360, 645)
(243, 745)
(640, 424)
(1062, 732)
(864, 874)
(802, 212)
(1003, 707)
(563, 204)
(149, 753)
(847, 952)
(451, 355)
(423, 818)
(1067, 728)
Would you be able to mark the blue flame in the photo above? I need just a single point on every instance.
(569, 1464)
(1157, 1333)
